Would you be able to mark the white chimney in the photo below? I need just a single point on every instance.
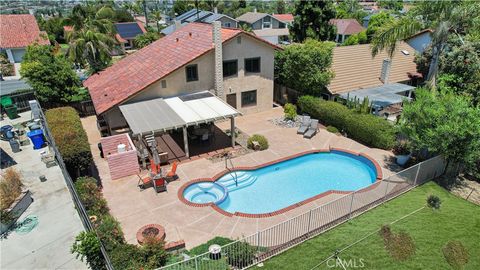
(217, 43)
(255, 10)
(215, 10)
(386, 65)
(178, 25)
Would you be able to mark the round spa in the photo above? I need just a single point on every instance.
(205, 192)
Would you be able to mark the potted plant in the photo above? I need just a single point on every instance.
(402, 152)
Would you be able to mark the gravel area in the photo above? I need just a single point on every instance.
(467, 189)
(282, 122)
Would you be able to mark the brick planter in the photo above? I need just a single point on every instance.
(154, 230)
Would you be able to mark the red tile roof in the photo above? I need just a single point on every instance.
(18, 31)
(67, 28)
(135, 72)
(347, 26)
(283, 17)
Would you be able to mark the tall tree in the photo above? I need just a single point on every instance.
(443, 123)
(280, 7)
(350, 9)
(50, 74)
(92, 37)
(445, 18)
(305, 67)
(312, 20)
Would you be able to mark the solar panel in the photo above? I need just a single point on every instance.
(128, 30)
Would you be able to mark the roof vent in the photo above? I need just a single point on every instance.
(405, 52)
(176, 39)
(190, 34)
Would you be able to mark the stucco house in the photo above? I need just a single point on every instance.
(17, 32)
(237, 67)
(127, 32)
(273, 28)
(421, 40)
(345, 28)
(197, 15)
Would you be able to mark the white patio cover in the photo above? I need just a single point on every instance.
(171, 113)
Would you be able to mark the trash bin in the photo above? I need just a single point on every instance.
(15, 145)
(37, 138)
(11, 111)
(6, 132)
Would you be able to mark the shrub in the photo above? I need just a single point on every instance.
(434, 202)
(290, 111)
(455, 254)
(332, 129)
(402, 148)
(91, 196)
(87, 246)
(126, 256)
(70, 138)
(258, 138)
(204, 247)
(368, 129)
(10, 187)
(154, 252)
(240, 254)
(110, 232)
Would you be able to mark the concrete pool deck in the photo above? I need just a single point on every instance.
(196, 225)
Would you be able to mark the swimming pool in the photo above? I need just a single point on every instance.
(285, 183)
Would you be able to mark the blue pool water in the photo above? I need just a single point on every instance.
(282, 184)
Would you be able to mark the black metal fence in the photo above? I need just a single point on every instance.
(71, 187)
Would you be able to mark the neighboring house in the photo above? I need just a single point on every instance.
(421, 40)
(197, 15)
(386, 82)
(273, 28)
(17, 32)
(233, 64)
(127, 32)
(345, 28)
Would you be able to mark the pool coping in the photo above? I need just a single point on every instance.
(288, 208)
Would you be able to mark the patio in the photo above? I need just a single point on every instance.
(135, 208)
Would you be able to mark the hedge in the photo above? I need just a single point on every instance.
(70, 138)
(368, 129)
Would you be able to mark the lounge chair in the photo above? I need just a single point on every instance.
(172, 174)
(312, 130)
(304, 125)
(144, 182)
(160, 185)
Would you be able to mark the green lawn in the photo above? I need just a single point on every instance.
(457, 219)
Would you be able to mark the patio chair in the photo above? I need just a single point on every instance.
(304, 125)
(172, 174)
(160, 185)
(144, 182)
(312, 130)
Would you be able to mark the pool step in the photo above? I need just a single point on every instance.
(243, 179)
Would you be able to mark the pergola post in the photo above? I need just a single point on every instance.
(232, 130)
(185, 141)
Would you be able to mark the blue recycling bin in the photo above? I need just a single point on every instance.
(37, 138)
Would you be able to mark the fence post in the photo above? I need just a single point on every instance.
(351, 205)
(309, 220)
(196, 264)
(386, 191)
(416, 175)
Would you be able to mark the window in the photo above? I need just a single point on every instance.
(227, 25)
(252, 65)
(239, 40)
(164, 84)
(266, 22)
(192, 73)
(229, 68)
(281, 25)
(249, 98)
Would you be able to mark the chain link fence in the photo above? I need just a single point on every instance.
(265, 244)
(71, 187)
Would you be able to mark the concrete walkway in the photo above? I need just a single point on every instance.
(48, 245)
(196, 225)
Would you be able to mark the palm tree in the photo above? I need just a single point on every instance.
(91, 46)
(157, 16)
(444, 18)
(92, 37)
